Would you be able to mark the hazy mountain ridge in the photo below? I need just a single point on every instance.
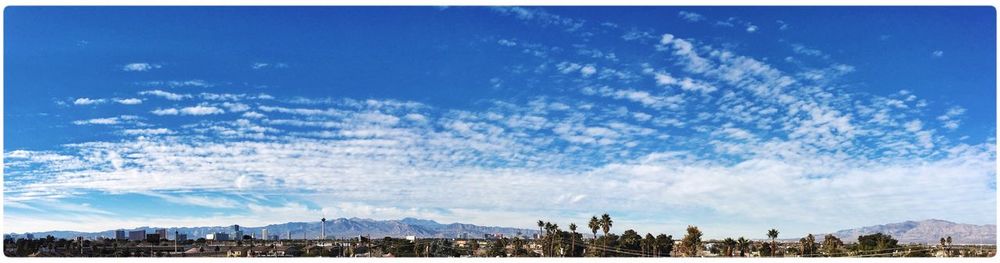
(926, 232)
(340, 227)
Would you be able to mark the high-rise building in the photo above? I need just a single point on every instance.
(263, 234)
(237, 233)
(181, 237)
(29, 236)
(137, 235)
(162, 232)
(120, 234)
(323, 228)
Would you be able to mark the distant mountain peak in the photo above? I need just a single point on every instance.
(928, 231)
(415, 221)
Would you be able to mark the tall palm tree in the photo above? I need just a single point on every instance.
(556, 239)
(743, 244)
(606, 226)
(548, 239)
(572, 239)
(773, 234)
(540, 225)
(948, 240)
(596, 224)
(648, 245)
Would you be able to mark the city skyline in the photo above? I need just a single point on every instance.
(734, 119)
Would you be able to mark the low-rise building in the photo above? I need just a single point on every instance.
(137, 235)
(217, 236)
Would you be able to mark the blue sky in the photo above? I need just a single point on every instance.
(736, 119)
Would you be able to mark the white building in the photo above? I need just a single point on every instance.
(217, 236)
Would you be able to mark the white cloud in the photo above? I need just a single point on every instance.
(665, 79)
(87, 101)
(588, 70)
(416, 117)
(156, 131)
(937, 53)
(179, 83)
(167, 111)
(694, 85)
(803, 50)
(263, 65)
(98, 121)
(914, 126)
(505, 42)
(690, 16)
(253, 115)
(200, 110)
(950, 118)
(165, 94)
(129, 101)
(642, 97)
(751, 28)
(782, 25)
(235, 106)
(140, 67)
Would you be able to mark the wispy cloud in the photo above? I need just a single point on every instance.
(140, 67)
(129, 101)
(690, 16)
(165, 94)
(87, 101)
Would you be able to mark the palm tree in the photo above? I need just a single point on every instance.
(648, 245)
(773, 234)
(948, 240)
(730, 246)
(556, 239)
(606, 226)
(572, 239)
(548, 239)
(540, 225)
(743, 244)
(596, 224)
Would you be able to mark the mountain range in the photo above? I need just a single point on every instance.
(335, 228)
(925, 232)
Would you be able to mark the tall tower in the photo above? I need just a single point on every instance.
(323, 228)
